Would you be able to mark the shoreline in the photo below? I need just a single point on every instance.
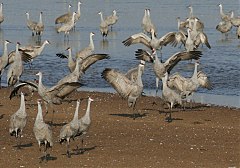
(203, 98)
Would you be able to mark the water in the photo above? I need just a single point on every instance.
(221, 62)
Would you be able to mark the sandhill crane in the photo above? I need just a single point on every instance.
(190, 19)
(184, 85)
(133, 73)
(87, 50)
(4, 59)
(147, 24)
(1, 13)
(151, 43)
(18, 121)
(65, 17)
(187, 86)
(112, 19)
(40, 26)
(54, 95)
(34, 50)
(71, 62)
(161, 68)
(31, 24)
(86, 63)
(204, 81)
(170, 96)
(125, 87)
(85, 122)
(224, 27)
(66, 27)
(16, 68)
(42, 131)
(70, 130)
(225, 17)
(78, 13)
(21, 84)
(235, 20)
(103, 25)
(190, 45)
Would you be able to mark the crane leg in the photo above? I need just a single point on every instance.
(157, 82)
(68, 152)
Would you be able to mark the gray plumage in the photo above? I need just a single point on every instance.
(235, 20)
(1, 13)
(161, 68)
(224, 27)
(70, 130)
(225, 17)
(125, 87)
(65, 17)
(66, 27)
(40, 26)
(112, 19)
(170, 96)
(18, 120)
(16, 68)
(151, 43)
(78, 13)
(31, 24)
(147, 24)
(34, 51)
(32, 88)
(103, 26)
(133, 72)
(42, 131)
(86, 62)
(87, 50)
(4, 59)
(85, 122)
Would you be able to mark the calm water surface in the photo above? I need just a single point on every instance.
(221, 62)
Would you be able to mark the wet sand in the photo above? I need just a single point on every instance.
(204, 136)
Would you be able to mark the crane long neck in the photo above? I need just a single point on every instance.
(221, 9)
(1, 8)
(28, 17)
(22, 104)
(91, 42)
(195, 72)
(75, 118)
(40, 18)
(39, 114)
(78, 9)
(5, 52)
(139, 76)
(87, 114)
(101, 16)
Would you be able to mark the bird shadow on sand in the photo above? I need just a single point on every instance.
(47, 158)
(22, 146)
(50, 123)
(1, 116)
(79, 151)
(133, 116)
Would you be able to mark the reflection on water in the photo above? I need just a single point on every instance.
(104, 44)
(221, 62)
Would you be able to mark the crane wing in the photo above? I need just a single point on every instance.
(180, 56)
(118, 81)
(144, 55)
(91, 59)
(138, 38)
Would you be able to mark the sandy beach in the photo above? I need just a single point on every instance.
(199, 137)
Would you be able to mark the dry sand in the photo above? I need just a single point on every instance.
(200, 137)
